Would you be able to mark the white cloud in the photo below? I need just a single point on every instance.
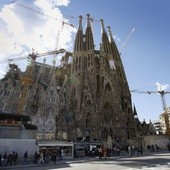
(23, 28)
(161, 87)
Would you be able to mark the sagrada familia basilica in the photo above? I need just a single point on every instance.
(85, 99)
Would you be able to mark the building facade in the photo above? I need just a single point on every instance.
(85, 99)
(95, 101)
(164, 120)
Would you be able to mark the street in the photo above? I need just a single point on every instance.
(150, 162)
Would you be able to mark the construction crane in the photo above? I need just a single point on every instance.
(126, 40)
(32, 56)
(164, 106)
(27, 80)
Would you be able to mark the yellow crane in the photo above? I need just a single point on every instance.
(27, 79)
(165, 112)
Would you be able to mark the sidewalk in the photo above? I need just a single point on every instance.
(58, 162)
(76, 160)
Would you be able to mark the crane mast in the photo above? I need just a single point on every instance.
(162, 94)
(26, 83)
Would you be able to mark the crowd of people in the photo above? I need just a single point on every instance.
(131, 150)
(153, 148)
(8, 159)
(42, 157)
(45, 156)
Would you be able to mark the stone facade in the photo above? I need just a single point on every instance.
(85, 99)
(164, 120)
(96, 98)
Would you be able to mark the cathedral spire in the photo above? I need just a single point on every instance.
(79, 43)
(105, 40)
(89, 41)
(116, 56)
(110, 34)
(134, 111)
(102, 24)
(80, 23)
(88, 21)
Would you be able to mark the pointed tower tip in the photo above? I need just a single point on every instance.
(80, 17)
(102, 24)
(80, 23)
(101, 20)
(88, 15)
(88, 21)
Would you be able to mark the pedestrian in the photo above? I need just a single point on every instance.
(105, 152)
(25, 158)
(93, 152)
(100, 153)
(59, 154)
(41, 161)
(0, 159)
(130, 150)
(4, 162)
(140, 150)
(36, 157)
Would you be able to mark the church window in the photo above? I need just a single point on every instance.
(88, 60)
(1, 105)
(5, 109)
(79, 61)
(98, 83)
(74, 91)
(129, 110)
(125, 105)
(107, 87)
(6, 85)
(76, 62)
(4, 94)
(91, 60)
(51, 92)
(102, 81)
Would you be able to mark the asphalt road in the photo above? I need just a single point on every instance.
(150, 162)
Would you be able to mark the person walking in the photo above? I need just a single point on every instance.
(41, 161)
(100, 153)
(25, 158)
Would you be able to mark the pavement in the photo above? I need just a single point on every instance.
(73, 160)
(58, 162)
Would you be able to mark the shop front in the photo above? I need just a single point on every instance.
(67, 148)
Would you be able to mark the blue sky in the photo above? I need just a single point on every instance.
(145, 55)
